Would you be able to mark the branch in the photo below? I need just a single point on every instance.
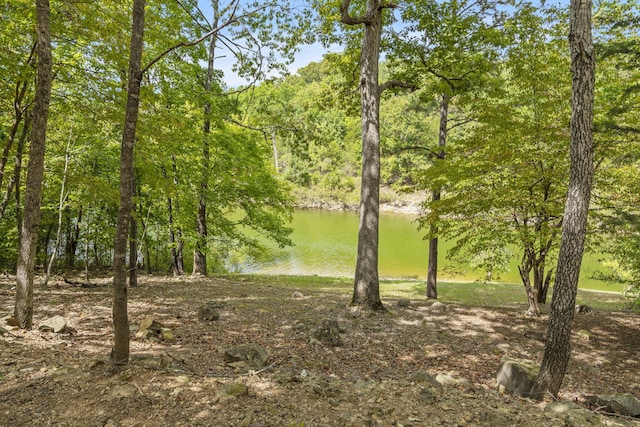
(345, 18)
(231, 20)
(395, 83)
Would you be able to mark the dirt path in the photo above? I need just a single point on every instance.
(372, 380)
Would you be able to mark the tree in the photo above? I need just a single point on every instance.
(120, 353)
(31, 221)
(557, 348)
(449, 47)
(500, 188)
(366, 289)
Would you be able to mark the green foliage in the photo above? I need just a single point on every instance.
(504, 179)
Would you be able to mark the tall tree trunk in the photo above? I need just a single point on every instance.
(120, 352)
(200, 252)
(29, 232)
(557, 350)
(366, 289)
(432, 270)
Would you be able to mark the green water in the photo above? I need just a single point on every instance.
(326, 244)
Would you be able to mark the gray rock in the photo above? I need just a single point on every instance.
(439, 307)
(571, 414)
(297, 295)
(329, 333)
(625, 404)
(208, 312)
(518, 377)
(252, 355)
(55, 324)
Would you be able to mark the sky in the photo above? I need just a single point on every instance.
(306, 55)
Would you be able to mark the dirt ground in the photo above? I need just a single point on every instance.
(66, 379)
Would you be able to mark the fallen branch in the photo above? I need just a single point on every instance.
(82, 284)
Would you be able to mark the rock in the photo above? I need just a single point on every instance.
(231, 390)
(325, 386)
(625, 404)
(517, 376)
(439, 307)
(404, 303)
(423, 377)
(208, 312)
(584, 334)
(297, 295)
(167, 336)
(583, 309)
(285, 375)
(151, 324)
(55, 324)
(111, 423)
(253, 355)
(329, 333)
(571, 414)
(447, 379)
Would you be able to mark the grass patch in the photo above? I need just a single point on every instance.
(463, 293)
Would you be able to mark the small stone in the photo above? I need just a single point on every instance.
(55, 324)
(329, 333)
(518, 376)
(253, 355)
(297, 295)
(438, 306)
(167, 336)
(208, 312)
(151, 324)
(584, 334)
(111, 423)
(404, 303)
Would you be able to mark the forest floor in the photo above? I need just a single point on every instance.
(66, 379)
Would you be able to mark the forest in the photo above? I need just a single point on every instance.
(129, 159)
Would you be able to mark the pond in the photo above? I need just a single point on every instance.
(325, 244)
